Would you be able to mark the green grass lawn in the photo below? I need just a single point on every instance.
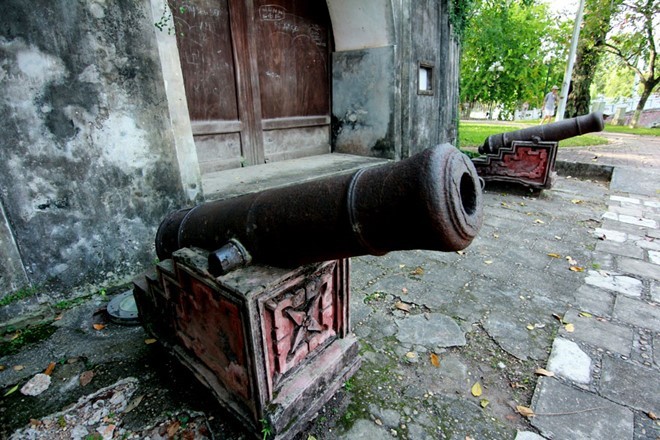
(627, 130)
(473, 134)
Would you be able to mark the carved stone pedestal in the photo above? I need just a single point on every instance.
(527, 163)
(272, 344)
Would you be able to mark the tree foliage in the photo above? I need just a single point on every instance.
(611, 79)
(595, 27)
(506, 56)
(633, 40)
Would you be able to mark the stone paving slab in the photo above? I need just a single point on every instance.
(599, 333)
(637, 313)
(618, 283)
(599, 302)
(639, 268)
(630, 180)
(631, 385)
(567, 413)
(430, 330)
(567, 360)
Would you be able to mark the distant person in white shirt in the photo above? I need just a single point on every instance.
(549, 105)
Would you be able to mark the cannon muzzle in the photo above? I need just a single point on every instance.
(429, 201)
(545, 133)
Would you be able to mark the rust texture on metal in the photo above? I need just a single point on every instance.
(429, 201)
(553, 132)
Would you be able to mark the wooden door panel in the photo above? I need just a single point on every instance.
(205, 49)
(257, 79)
(219, 152)
(298, 142)
(292, 41)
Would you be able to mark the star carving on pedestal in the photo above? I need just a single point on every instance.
(305, 320)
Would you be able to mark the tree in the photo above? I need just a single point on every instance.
(596, 25)
(502, 60)
(633, 41)
(611, 79)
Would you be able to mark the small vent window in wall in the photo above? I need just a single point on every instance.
(425, 79)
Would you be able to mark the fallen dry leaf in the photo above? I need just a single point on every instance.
(150, 341)
(558, 317)
(402, 306)
(586, 315)
(98, 326)
(58, 317)
(576, 269)
(539, 221)
(2, 368)
(518, 385)
(524, 411)
(484, 403)
(496, 235)
(569, 328)
(576, 201)
(476, 389)
(173, 428)
(530, 327)
(417, 271)
(411, 355)
(86, 377)
(460, 252)
(488, 262)
(134, 403)
(435, 361)
(18, 367)
(50, 369)
(544, 372)
(652, 415)
(554, 255)
(570, 260)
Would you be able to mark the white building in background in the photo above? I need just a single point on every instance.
(609, 106)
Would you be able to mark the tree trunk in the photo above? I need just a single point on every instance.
(648, 88)
(592, 37)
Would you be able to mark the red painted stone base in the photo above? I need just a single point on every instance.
(272, 344)
(527, 163)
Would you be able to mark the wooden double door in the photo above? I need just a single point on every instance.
(257, 79)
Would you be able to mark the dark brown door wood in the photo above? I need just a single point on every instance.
(257, 79)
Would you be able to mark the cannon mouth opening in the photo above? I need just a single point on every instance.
(468, 194)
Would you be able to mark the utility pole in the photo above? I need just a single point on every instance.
(563, 95)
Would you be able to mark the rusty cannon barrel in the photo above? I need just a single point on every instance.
(429, 201)
(553, 132)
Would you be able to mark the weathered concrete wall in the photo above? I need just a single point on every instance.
(88, 166)
(429, 119)
(377, 110)
(363, 102)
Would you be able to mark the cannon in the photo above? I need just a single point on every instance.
(429, 201)
(553, 132)
(527, 157)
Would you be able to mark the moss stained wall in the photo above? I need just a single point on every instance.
(88, 166)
